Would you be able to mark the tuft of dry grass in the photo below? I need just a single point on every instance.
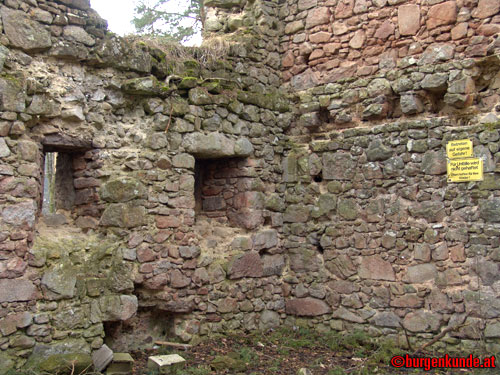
(211, 50)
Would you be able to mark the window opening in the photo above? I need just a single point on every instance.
(49, 179)
(58, 186)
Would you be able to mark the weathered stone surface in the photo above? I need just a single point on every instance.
(492, 330)
(227, 305)
(411, 104)
(421, 273)
(17, 290)
(12, 94)
(245, 265)
(116, 308)
(307, 307)
(247, 218)
(123, 215)
(488, 271)
(442, 14)
(78, 34)
(23, 32)
(178, 280)
(200, 96)
(189, 252)
(483, 304)
(358, 40)
(344, 9)
(122, 189)
(265, 239)
(102, 358)
(79, 4)
(7, 363)
(379, 87)
(303, 260)
(422, 321)
(317, 16)
(66, 364)
(486, 8)
(290, 168)
(342, 266)
(20, 214)
(148, 86)
(348, 209)
(4, 53)
(374, 267)
(385, 30)
(294, 27)
(338, 166)
(4, 149)
(377, 151)
(409, 19)
(437, 52)
(22, 342)
(61, 282)
(434, 163)
(435, 82)
(273, 265)
(386, 319)
(296, 213)
(489, 210)
(120, 53)
(407, 301)
(430, 210)
(183, 161)
(348, 315)
(216, 145)
(325, 205)
(268, 320)
(7, 326)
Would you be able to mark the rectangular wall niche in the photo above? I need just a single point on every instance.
(58, 184)
(70, 182)
(223, 189)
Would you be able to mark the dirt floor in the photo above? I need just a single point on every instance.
(286, 353)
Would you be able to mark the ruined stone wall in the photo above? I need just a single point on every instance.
(374, 232)
(327, 207)
(376, 235)
(325, 41)
(134, 121)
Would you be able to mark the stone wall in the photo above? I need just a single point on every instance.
(325, 41)
(376, 234)
(132, 120)
(209, 199)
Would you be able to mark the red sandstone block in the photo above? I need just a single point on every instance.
(163, 222)
(79, 163)
(86, 182)
(442, 14)
(409, 19)
(145, 254)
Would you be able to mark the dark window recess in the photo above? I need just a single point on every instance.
(58, 186)
(221, 187)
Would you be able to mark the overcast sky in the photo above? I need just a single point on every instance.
(119, 14)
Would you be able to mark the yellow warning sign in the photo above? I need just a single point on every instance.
(459, 149)
(464, 170)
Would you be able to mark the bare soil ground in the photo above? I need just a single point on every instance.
(285, 353)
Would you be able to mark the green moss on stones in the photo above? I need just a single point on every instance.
(66, 364)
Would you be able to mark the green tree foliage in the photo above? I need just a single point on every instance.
(176, 20)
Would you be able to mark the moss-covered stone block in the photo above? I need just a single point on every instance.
(188, 83)
(66, 364)
(122, 189)
(123, 216)
(226, 362)
(142, 86)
